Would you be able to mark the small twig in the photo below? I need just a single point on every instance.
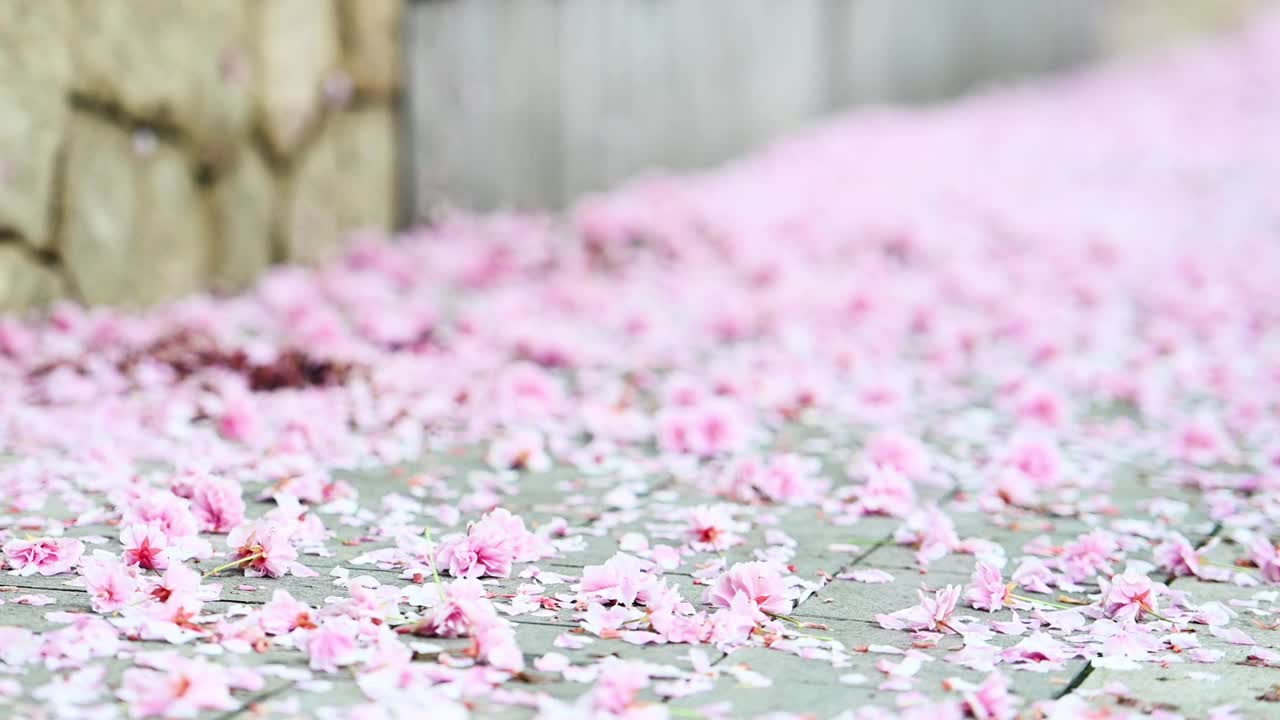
(798, 624)
(1038, 601)
(431, 560)
(1229, 566)
(235, 563)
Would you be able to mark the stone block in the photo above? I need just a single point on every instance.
(35, 68)
(25, 282)
(365, 142)
(371, 44)
(1174, 688)
(135, 230)
(242, 210)
(310, 218)
(297, 53)
(182, 63)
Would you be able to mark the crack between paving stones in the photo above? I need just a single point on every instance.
(81, 592)
(241, 601)
(543, 623)
(888, 538)
(570, 566)
(254, 700)
(1087, 670)
(1076, 681)
(813, 616)
(860, 557)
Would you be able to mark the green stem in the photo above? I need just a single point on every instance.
(799, 624)
(787, 618)
(1024, 598)
(1229, 566)
(234, 563)
(431, 560)
(823, 638)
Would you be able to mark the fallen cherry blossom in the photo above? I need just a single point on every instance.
(1021, 351)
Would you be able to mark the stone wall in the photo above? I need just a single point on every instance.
(151, 148)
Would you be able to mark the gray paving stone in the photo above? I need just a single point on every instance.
(841, 610)
(1176, 689)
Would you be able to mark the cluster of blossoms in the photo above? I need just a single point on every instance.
(788, 479)
(465, 611)
(490, 547)
(47, 556)
(748, 597)
(846, 366)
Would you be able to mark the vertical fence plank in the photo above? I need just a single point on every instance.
(584, 82)
(436, 122)
(524, 145)
(530, 103)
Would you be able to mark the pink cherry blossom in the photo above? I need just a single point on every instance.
(527, 392)
(733, 625)
(1128, 597)
(490, 547)
(621, 579)
(988, 590)
(112, 585)
(931, 532)
(619, 685)
(1039, 651)
(1042, 405)
(283, 614)
(263, 550)
(46, 556)
(482, 552)
(1266, 555)
(217, 504)
(886, 492)
(900, 452)
(240, 420)
(707, 429)
(1203, 441)
(991, 700)
(790, 479)
(1088, 555)
(464, 600)
(180, 585)
(785, 479)
(712, 529)
(494, 642)
(519, 450)
(526, 546)
(933, 612)
(186, 688)
(1034, 575)
(165, 510)
(1177, 556)
(331, 645)
(145, 546)
(605, 622)
(759, 582)
(1037, 459)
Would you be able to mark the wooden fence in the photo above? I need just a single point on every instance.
(528, 103)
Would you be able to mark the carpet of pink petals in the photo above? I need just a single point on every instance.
(1002, 309)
